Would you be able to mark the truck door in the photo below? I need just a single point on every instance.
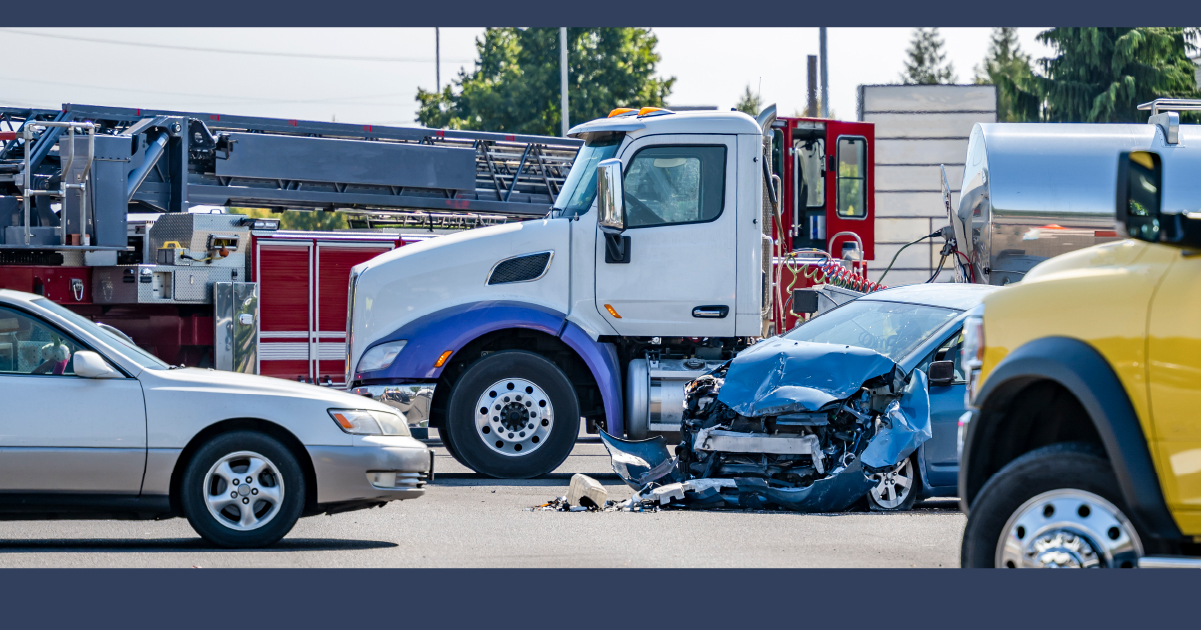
(850, 186)
(334, 260)
(681, 213)
(284, 272)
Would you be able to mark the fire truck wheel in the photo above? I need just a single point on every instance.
(513, 415)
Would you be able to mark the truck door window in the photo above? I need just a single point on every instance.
(677, 184)
(852, 176)
(810, 156)
(30, 346)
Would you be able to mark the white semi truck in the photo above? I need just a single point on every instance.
(506, 337)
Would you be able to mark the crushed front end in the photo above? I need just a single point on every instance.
(789, 425)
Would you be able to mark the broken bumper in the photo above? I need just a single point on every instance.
(376, 468)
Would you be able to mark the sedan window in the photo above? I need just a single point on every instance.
(29, 346)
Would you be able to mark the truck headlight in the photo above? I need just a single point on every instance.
(381, 356)
(973, 350)
(365, 422)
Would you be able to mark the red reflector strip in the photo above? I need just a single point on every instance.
(8, 135)
(510, 137)
(137, 112)
(1105, 233)
(214, 117)
(366, 127)
(292, 122)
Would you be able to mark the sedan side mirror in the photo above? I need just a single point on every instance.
(1140, 204)
(610, 203)
(88, 364)
(941, 373)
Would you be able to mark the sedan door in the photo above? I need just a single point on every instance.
(946, 406)
(60, 432)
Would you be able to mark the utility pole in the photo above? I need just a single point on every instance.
(438, 59)
(811, 105)
(825, 75)
(563, 75)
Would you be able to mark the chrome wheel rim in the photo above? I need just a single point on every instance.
(243, 491)
(893, 487)
(513, 417)
(1068, 528)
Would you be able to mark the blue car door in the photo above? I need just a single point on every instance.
(946, 405)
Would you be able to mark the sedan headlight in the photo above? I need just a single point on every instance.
(381, 356)
(365, 422)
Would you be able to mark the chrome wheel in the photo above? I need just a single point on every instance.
(893, 487)
(514, 416)
(1068, 528)
(243, 490)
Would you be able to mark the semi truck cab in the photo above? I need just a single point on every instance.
(518, 332)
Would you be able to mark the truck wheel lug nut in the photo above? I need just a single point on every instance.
(254, 491)
(249, 480)
(245, 500)
(233, 495)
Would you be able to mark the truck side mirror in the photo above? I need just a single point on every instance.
(610, 204)
(1140, 177)
(610, 195)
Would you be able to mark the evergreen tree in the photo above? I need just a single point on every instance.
(1102, 74)
(750, 103)
(926, 57)
(515, 84)
(1008, 68)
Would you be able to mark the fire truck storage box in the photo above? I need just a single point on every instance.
(158, 284)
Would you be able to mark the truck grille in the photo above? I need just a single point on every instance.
(520, 268)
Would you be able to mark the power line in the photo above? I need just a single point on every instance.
(226, 51)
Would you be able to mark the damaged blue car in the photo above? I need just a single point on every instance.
(860, 402)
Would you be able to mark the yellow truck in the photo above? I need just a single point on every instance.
(1082, 445)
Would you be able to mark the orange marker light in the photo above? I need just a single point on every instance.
(621, 110)
(346, 424)
(611, 311)
(442, 359)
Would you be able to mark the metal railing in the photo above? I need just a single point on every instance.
(70, 179)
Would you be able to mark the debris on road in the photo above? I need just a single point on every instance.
(784, 425)
(586, 492)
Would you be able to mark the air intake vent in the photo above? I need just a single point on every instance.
(520, 268)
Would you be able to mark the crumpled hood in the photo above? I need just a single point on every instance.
(780, 376)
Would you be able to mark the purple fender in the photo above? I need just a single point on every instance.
(455, 327)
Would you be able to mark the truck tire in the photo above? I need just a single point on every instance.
(513, 415)
(242, 490)
(1056, 506)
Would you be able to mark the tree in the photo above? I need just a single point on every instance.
(1102, 74)
(1008, 68)
(926, 57)
(515, 84)
(315, 220)
(750, 102)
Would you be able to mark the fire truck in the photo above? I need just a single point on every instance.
(99, 212)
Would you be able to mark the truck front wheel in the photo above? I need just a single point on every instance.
(514, 415)
(1055, 507)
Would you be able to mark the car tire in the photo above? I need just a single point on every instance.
(883, 497)
(513, 415)
(264, 509)
(1060, 506)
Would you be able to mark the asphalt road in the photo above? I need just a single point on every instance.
(465, 520)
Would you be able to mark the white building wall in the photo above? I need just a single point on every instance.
(918, 127)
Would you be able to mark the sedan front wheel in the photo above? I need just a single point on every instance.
(243, 489)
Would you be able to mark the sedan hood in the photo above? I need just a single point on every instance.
(222, 383)
(784, 376)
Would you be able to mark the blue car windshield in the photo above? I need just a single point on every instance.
(891, 328)
(579, 190)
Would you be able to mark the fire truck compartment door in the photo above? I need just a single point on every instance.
(681, 220)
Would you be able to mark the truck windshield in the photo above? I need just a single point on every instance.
(579, 191)
(893, 329)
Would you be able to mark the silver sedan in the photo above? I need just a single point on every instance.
(91, 426)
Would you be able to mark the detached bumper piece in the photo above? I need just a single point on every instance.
(790, 425)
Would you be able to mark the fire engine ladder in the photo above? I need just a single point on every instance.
(381, 174)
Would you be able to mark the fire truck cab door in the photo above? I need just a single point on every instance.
(681, 222)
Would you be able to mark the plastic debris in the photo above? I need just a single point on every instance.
(586, 492)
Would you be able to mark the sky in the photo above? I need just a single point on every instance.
(371, 75)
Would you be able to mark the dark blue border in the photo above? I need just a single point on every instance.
(614, 599)
(898, 13)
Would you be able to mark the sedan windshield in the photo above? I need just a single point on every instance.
(119, 341)
(891, 328)
(579, 191)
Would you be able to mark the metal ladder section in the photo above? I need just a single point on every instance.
(515, 175)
